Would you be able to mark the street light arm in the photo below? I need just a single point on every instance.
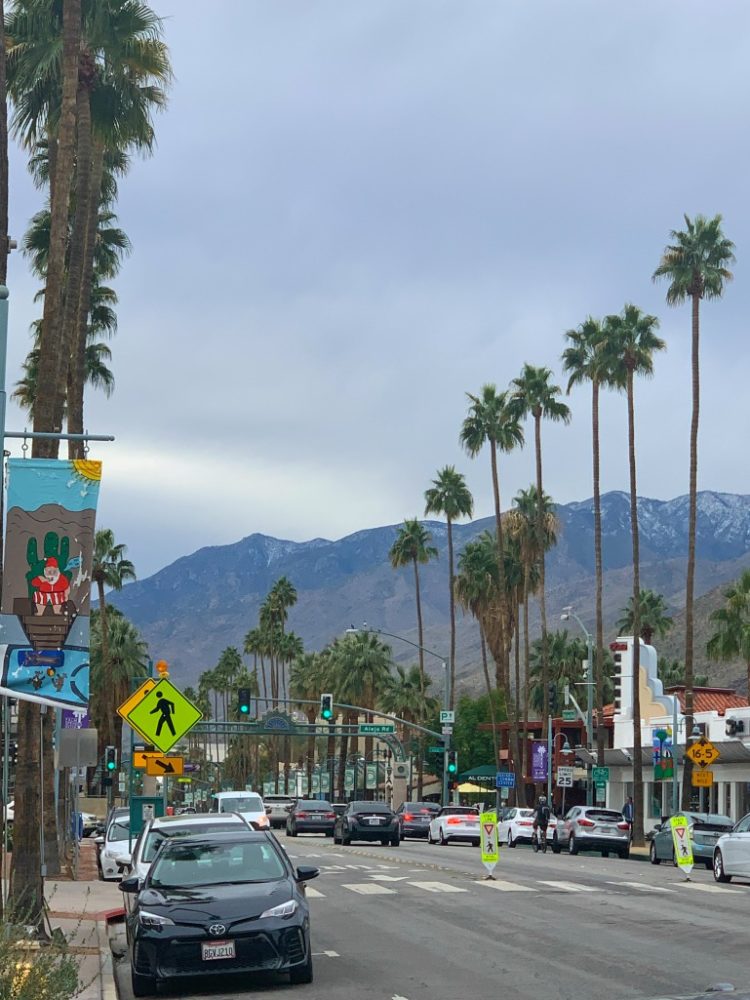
(392, 635)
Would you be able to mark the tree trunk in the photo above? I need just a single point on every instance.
(488, 684)
(51, 843)
(541, 546)
(3, 153)
(520, 736)
(419, 634)
(636, 679)
(599, 663)
(526, 675)
(27, 889)
(52, 362)
(452, 578)
(692, 518)
(501, 668)
(80, 338)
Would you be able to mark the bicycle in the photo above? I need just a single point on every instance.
(535, 841)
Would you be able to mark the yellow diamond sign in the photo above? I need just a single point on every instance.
(163, 716)
(703, 752)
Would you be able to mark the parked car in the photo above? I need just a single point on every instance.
(277, 808)
(705, 831)
(113, 844)
(310, 816)
(454, 823)
(248, 804)
(592, 828)
(367, 821)
(219, 905)
(340, 808)
(732, 852)
(414, 818)
(517, 827)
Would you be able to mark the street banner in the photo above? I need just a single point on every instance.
(539, 760)
(371, 776)
(45, 606)
(349, 779)
(663, 759)
(683, 848)
(488, 836)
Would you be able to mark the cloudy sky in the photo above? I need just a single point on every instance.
(360, 209)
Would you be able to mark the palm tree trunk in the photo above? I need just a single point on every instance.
(27, 890)
(452, 579)
(526, 677)
(692, 518)
(488, 685)
(501, 667)
(420, 638)
(541, 546)
(51, 844)
(52, 363)
(519, 739)
(636, 680)
(599, 665)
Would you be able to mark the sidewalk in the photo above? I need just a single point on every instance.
(81, 910)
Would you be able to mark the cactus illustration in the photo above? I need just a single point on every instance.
(54, 547)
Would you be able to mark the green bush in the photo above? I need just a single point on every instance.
(33, 970)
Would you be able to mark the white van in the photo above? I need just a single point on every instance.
(248, 804)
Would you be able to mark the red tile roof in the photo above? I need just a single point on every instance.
(709, 699)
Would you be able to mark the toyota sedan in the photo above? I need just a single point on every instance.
(228, 904)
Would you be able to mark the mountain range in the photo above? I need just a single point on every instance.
(194, 608)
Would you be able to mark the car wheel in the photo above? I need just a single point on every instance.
(719, 874)
(303, 973)
(625, 853)
(674, 859)
(384, 843)
(572, 846)
(336, 840)
(652, 855)
(442, 840)
(346, 841)
(291, 832)
(429, 838)
(555, 844)
(511, 841)
(329, 833)
(142, 986)
(395, 841)
(605, 854)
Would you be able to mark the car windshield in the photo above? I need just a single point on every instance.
(422, 807)
(118, 831)
(525, 812)
(188, 865)
(314, 805)
(459, 811)
(605, 815)
(241, 803)
(157, 836)
(373, 807)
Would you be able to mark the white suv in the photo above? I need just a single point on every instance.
(248, 804)
(278, 808)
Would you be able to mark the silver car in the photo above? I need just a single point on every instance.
(732, 853)
(591, 828)
(278, 808)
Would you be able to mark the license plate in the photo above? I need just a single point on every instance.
(216, 950)
(606, 829)
(374, 822)
(315, 816)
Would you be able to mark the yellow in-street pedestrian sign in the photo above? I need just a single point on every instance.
(135, 699)
(683, 848)
(488, 837)
(164, 716)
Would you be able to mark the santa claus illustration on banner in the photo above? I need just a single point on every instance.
(50, 589)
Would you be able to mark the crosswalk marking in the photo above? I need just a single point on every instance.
(388, 878)
(642, 886)
(507, 886)
(370, 889)
(438, 887)
(314, 894)
(568, 886)
(705, 888)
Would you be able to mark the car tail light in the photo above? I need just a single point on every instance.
(301, 815)
(525, 822)
(586, 822)
(409, 816)
(623, 826)
(330, 815)
(454, 821)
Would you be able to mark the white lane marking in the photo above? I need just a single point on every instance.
(507, 886)
(387, 878)
(365, 868)
(642, 886)
(332, 868)
(327, 954)
(397, 996)
(314, 894)
(370, 889)
(387, 868)
(568, 886)
(438, 887)
(704, 888)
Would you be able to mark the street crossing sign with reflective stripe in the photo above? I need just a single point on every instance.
(683, 848)
(488, 837)
(164, 716)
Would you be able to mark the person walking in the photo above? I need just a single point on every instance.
(628, 811)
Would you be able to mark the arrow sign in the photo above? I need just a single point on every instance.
(159, 765)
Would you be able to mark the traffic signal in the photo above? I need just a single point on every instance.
(326, 707)
(734, 726)
(110, 759)
(451, 765)
(552, 689)
(243, 701)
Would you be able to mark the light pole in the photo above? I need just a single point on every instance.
(446, 686)
(565, 616)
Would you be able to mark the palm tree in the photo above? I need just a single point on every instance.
(110, 568)
(631, 344)
(307, 679)
(585, 360)
(696, 266)
(535, 395)
(672, 673)
(731, 640)
(112, 679)
(412, 545)
(652, 616)
(449, 495)
(565, 654)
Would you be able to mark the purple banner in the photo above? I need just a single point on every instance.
(539, 760)
(74, 720)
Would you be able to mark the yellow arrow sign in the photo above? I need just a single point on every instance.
(703, 752)
(160, 764)
(163, 716)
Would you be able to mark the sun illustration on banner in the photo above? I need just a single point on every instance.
(87, 470)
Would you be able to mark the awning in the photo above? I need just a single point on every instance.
(484, 773)
(467, 788)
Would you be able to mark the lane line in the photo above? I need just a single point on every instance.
(388, 878)
(641, 886)
(568, 886)
(369, 889)
(507, 886)
(314, 894)
(705, 888)
(438, 887)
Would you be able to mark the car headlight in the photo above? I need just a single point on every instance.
(154, 920)
(283, 910)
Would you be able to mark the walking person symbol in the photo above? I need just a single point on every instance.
(166, 707)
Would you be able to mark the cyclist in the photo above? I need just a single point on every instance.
(542, 815)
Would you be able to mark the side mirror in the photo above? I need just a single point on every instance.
(99, 839)
(124, 861)
(304, 874)
(131, 884)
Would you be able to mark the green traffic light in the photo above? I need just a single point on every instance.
(327, 714)
(244, 709)
(111, 765)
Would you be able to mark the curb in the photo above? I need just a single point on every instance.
(108, 989)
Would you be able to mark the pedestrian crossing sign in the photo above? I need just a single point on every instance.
(163, 716)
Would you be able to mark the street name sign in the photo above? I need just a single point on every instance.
(600, 775)
(565, 777)
(369, 729)
(505, 779)
(488, 837)
(163, 716)
(447, 730)
(160, 764)
(702, 779)
(683, 848)
(135, 699)
(703, 752)
(569, 715)
(446, 716)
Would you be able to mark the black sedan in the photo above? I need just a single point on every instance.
(367, 821)
(219, 905)
(310, 816)
(414, 818)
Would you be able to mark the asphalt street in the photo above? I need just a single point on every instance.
(418, 922)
